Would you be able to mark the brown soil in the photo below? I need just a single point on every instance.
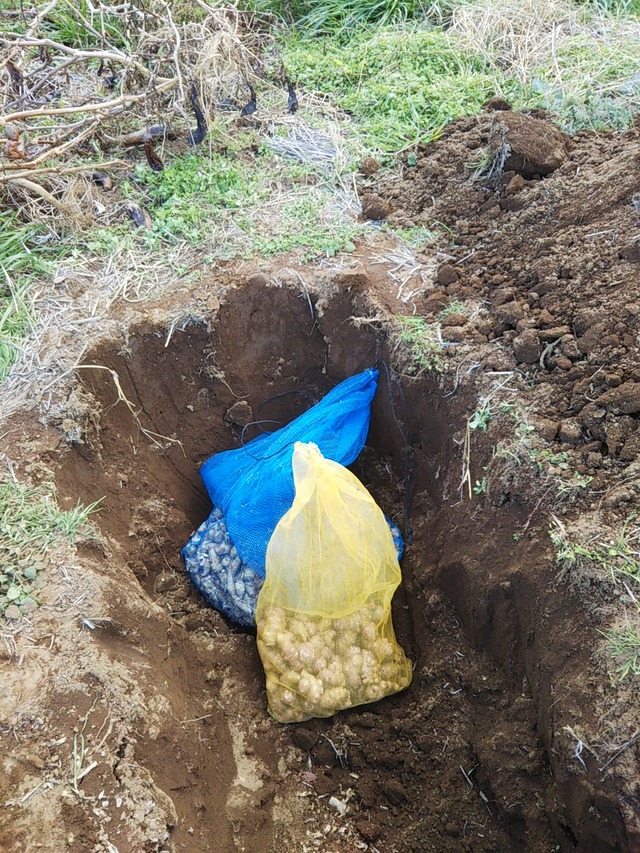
(476, 755)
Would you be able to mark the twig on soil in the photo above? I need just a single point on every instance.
(624, 746)
(341, 755)
(466, 776)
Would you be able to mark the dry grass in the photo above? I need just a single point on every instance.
(527, 38)
(77, 92)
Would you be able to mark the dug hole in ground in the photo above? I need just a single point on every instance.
(154, 733)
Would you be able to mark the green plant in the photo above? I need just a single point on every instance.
(543, 457)
(625, 647)
(418, 345)
(310, 222)
(482, 417)
(30, 521)
(24, 255)
(454, 307)
(402, 83)
(481, 486)
(189, 193)
(416, 236)
(620, 558)
(326, 17)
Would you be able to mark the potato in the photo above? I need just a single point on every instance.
(318, 666)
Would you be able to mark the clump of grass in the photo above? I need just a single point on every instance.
(565, 57)
(30, 522)
(455, 307)
(190, 192)
(417, 346)
(21, 260)
(620, 558)
(314, 223)
(625, 648)
(329, 16)
(404, 82)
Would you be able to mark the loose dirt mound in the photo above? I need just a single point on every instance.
(556, 263)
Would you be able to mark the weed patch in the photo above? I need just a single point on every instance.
(418, 345)
(21, 261)
(191, 191)
(30, 521)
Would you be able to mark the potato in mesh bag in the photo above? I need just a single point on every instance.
(325, 634)
(216, 570)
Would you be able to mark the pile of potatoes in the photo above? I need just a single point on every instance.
(316, 666)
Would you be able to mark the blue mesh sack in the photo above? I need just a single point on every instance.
(253, 485)
(212, 563)
(215, 569)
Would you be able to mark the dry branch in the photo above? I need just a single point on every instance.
(154, 68)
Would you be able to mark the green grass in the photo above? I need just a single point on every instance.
(625, 648)
(310, 223)
(328, 16)
(418, 346)
(404, 82)
(21, 261)
(401, 84)
(244, 195)
(30, 522)
(190, 193)
(620, 558)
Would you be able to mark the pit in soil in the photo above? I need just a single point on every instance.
(462, 760)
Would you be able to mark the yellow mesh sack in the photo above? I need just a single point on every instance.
(325, 634)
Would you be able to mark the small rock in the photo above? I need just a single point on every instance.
(165, 583)
(562, 362)
(511, 204)
(527, 348)
(496, 105)
(455, 320)
(554, 333)
(631, 448)
(631, 253)
(454, 334)
(502, 295)
(13, 612)
(369, 166)
(511, 312)
(369, 831)
(593, 420)
(240, 414)
(304, 739)
(594, 460)
(515, 185)
(546, 428)
(447, 274)
(625, 399)
(526, 323)
(374, 207)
